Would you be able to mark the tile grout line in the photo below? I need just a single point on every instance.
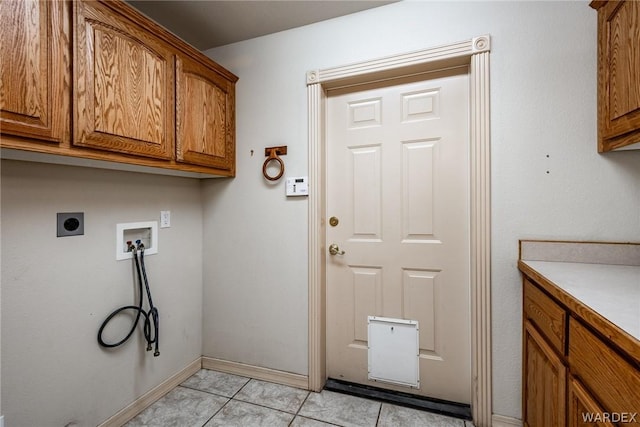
(295, 414)
(243, 386)
(310, 417)
(207, 391)
(227, 402)
(233, 398)
(300, 407)
(229, 399)
(379, 413)
(263, 406)
(216, 413)
(251, 403)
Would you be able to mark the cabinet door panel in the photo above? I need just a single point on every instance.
(34, 70)
(125, 83)
(126, 102)
(619, 74)
(614, 381)
(584, 411)
(624, 60)
(544, 382)
(205, 116)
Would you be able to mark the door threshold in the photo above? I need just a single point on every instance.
(442, 407)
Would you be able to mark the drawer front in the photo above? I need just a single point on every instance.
(549, 317)
(614, 382)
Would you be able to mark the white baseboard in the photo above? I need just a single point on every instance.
(502, 421)
(151, 396)
(257, 372)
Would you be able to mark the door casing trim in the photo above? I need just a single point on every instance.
(475, 54)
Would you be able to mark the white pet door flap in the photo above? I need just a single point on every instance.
(394, 351)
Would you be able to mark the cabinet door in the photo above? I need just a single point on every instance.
(544, 382)
(34, 69)
(124, 76)
(612, 377)
(205, 109)
(584, 411)
(619, 74)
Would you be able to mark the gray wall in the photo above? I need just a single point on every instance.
(243, 244)
(543, 106)
(57, 291)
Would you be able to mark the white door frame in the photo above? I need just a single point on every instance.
(475, 54)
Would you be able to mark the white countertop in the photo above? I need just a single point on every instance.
(613, 291)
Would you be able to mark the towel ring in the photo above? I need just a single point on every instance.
(272, 154)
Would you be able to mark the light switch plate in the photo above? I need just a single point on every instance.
(165, 219)
(297, 186)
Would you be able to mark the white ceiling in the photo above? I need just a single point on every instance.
(210, 23)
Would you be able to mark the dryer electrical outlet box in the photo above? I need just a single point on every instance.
(297, 186)
(70, 224)
(146, 232)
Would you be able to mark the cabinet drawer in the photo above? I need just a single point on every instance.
(549, 317)
(614, 382)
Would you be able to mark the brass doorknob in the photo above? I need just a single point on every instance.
(335, 250)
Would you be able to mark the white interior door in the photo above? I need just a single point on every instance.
(398, 185)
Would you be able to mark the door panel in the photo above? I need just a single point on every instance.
(397, 180)
(367, 209)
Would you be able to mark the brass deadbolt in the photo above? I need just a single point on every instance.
(333, 221)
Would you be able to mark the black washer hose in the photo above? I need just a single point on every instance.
(150, 316)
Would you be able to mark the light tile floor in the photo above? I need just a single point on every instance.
(211, 398)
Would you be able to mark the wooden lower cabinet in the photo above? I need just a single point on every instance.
(573, 373)
(544, 380)
(606, 372)
(584, 411)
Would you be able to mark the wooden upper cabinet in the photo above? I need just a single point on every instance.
(98, 80)
(124, 82)
(205, 109)
(618, 74)
(34, 69)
